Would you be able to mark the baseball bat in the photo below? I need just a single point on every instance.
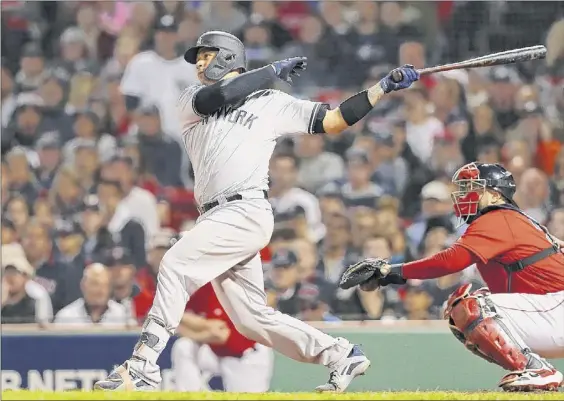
(506, 57)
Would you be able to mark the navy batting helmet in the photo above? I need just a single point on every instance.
(230, 54)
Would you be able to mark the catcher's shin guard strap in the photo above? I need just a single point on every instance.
(486, 334)
(355, 108)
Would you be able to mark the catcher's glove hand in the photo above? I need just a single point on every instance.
(376, 282)
(363, 271)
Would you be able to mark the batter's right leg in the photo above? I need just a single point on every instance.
(475, 320)
(241, 293)
(220, 240)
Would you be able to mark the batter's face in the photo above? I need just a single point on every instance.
(205, 57)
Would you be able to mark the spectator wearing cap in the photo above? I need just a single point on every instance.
(435, 202)
(23, 300)
(87, 131)
(25, 127)
(147, 276)
(95, 307)
(421, 127)
(141, 89)
(330, 200)
(97, 239)
(120, 222)
(48, 149)
(504, 84)
(32, 68)
(135, 203)
(315, 304)
(161, 154)
(53, 275)
(21, 178)
(54, 92)
(285, 195)
(73, 55)
(284, 282)
(358, 185)
(7, 96)
(317, 166)
(69, 239)
(122, 271)
(66, 194)
(9, 233)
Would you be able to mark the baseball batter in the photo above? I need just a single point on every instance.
(519, 319)
(210, 343)
(230, 125)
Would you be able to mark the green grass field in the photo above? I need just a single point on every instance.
(431, 395)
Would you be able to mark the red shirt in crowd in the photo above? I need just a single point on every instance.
(204, 303)
(499, 236)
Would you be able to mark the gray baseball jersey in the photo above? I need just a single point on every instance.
(230, 150)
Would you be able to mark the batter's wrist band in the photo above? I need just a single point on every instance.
(355, 108)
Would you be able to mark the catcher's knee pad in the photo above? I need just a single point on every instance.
(474, 321)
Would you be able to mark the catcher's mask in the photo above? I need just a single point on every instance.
(471, 182)
(230, 54)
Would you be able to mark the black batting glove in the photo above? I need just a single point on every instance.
(290, 67)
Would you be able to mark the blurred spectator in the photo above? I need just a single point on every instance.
(391, 14)
(25, 127)
(331, 201)
(87, 130)
(32, 68)
(123, 228)
(504, 83)
(57, 278)
(48, 150)
(97, 239)
(7, 96)
(335, 254)
(285, 195)
(258, 48)
(435, 202)
(358, 188)
(139, 87)
(421, 127)
(66, 194)
(136, 203)
(73, 51)
(69, 240)
(18, 211)
(9, 233)
(21, 178)
(417, 303)
(317, 166)
(284, 282)
(532, 194)
(556, 223)
(23, 300)
(5, 181)
(122, 271)
(54, 92)
(266, 13)
(43, 212)
(189, 30)
(314, 304)
(95, 306)
(86, 165)
(225, 16)
(162, 156)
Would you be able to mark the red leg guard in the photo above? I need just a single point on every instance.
(485, 334)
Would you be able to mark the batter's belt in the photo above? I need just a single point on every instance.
(206, 207)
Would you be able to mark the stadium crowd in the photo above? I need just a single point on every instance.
(91, 176)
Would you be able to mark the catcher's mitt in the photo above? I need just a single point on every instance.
(363, 271)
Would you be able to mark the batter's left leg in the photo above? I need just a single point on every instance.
(241, 293)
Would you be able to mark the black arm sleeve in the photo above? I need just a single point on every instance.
(131, 102)
(318, 123)
(232, 91)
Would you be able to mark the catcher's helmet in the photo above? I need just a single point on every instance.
(471, 182)
(230, 54)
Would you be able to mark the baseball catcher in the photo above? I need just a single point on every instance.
(518, 320)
